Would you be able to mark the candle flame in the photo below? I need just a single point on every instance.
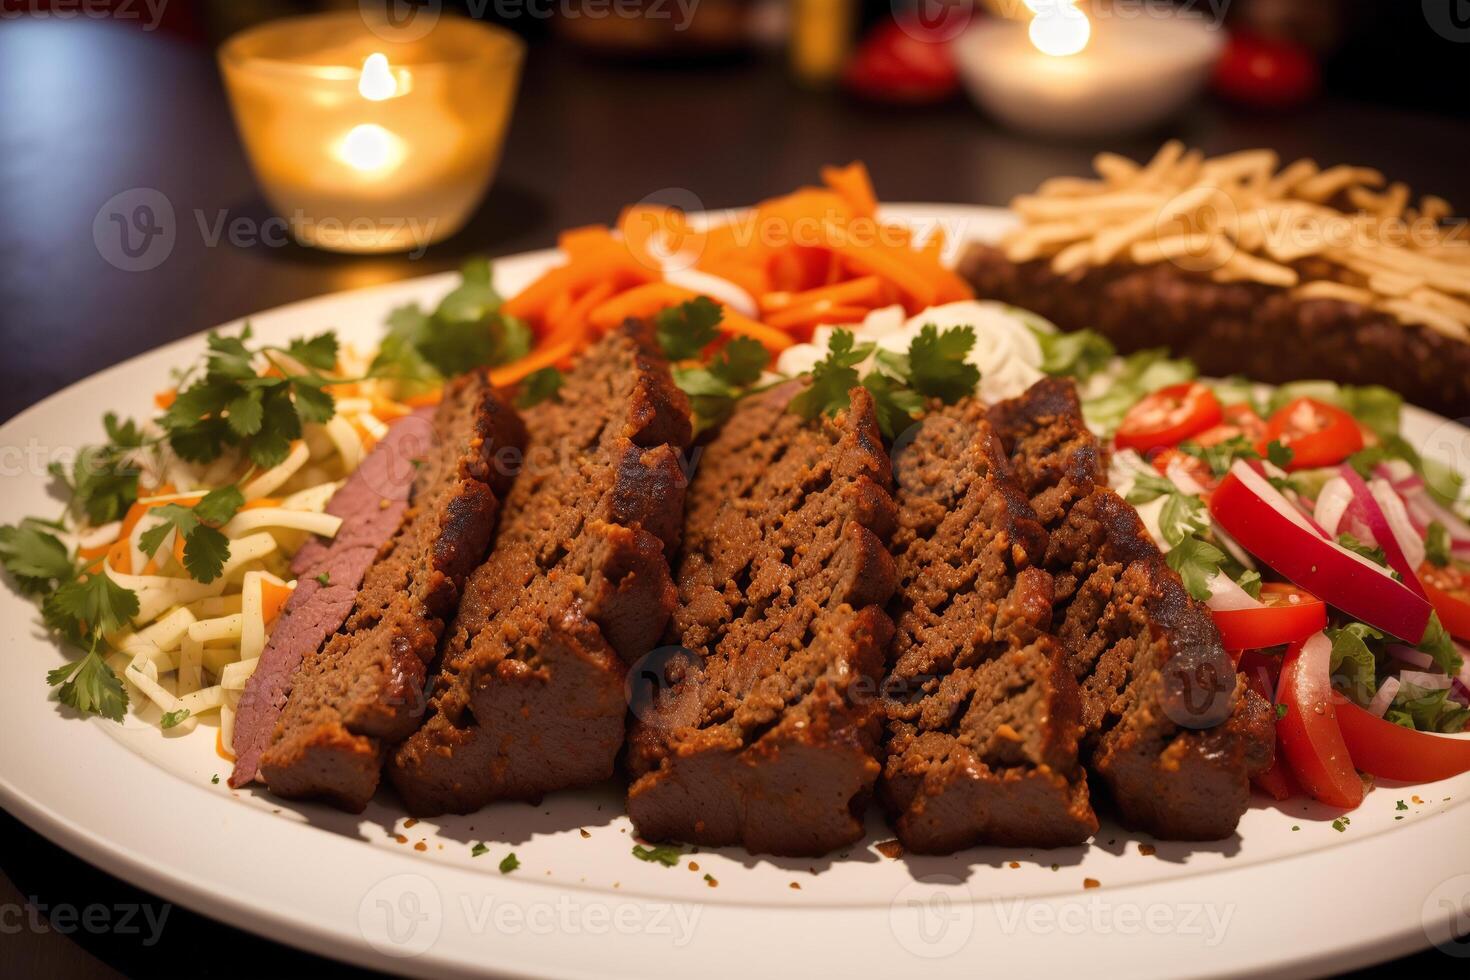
(369, 148)
(377, 82)
(1058, 28)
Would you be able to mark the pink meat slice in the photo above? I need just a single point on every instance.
(371, 504)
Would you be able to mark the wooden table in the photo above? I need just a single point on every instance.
(92, 109)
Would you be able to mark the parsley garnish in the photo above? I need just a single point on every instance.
(1437, 544)
(1280, 711)
(539, 386)
(684, 331)
(235, 406)
(103, 481)
(509, 863)
(934, 367)
(1196, 562)
(34, 558)
(465, 331)
(1368, 551)
(1250, 581)
(90, 687)
(206, 549)
(324, 579)
(1400, 805)
(214, 779)
(665, 854)
(479, 850)
(1280, 454)
(173, 718)
(1182, 514)
(937, 366)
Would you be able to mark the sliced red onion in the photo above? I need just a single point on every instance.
(1383, 534)
(1392, 505)
(1460, 692)
(1423, 508)
(1425, 681)
(1410, 656)
(1387, 691)
(1268, 526)
(1332, 504)
(1226, 595)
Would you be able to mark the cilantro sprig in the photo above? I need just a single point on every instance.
(684, 333)
(103, 480)
(206, 549)
(933, 367)
(465, 331)
(235, 406)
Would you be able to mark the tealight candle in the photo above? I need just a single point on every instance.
(1067, 74)
(367, 143)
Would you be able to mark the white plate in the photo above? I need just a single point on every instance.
(141, 805)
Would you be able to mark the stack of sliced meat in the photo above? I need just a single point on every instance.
(769, 731)
(1169, 726)
(983, 712)
(966, 629)
(363, 690)
(530, 696)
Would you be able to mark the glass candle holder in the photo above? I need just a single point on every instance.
(366, 142)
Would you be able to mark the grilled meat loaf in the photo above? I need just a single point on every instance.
(530, 695)
(1169, 726)
(364, 689)
(983, 711)
(765, 727)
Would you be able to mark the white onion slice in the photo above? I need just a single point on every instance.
(1387, 691)
(716, 288)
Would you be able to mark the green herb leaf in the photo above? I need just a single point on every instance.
(832, 378)
(539, 386)
(1353, 666)
(1182, 516)
(206, 549)
(318, 352)
(85, 608)
(937, 366)
(1437, 544)
(1078, 354)
(1437, 643)
(479, 850)
(1279, 454)
(685, 330)
(665, 854)
(509, 863)
(1221, 455)
(324, 579)
(1368, 551)
(895, 404)
(1250, 581)
(1196, 562)
(90, 686)
(35, 559)
(172, 719)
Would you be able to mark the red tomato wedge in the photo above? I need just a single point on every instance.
(1168, 417)
(1394, 752)
(1309, 734)
(1449, 590)
(1318, 434)
(1287, 614)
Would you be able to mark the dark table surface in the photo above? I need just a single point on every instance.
(91, 109)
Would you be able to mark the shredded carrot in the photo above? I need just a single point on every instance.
(219, 746)
(558, 307)
(581, 273)
(855, 186)
(863, 291)
(651, 231)
(579, 241)
(548, 355)
(426, 400)
(804, 318)
(638, 302)
(164, 399)
(574, 326)
(120, 557)
(97, 551)
(891, 263)
(261, 502)
(272, 598)
(387, 409)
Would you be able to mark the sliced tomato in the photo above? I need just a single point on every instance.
(1395, 752)
(1309, 734)
(1287, 614)
(1168, 417)
(1318, 434)
(1449, 589)
(1237, 419)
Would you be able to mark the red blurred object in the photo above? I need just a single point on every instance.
(902, 61)
(1267, 73)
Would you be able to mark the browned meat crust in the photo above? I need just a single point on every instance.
(1170, 727)
(1243, 328)
(765, 728)
(364, 689)
(983, 712)
(530, 695)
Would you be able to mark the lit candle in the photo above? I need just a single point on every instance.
(1065, 73)
(367, 144)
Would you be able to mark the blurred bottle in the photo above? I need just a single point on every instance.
(821, 39)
